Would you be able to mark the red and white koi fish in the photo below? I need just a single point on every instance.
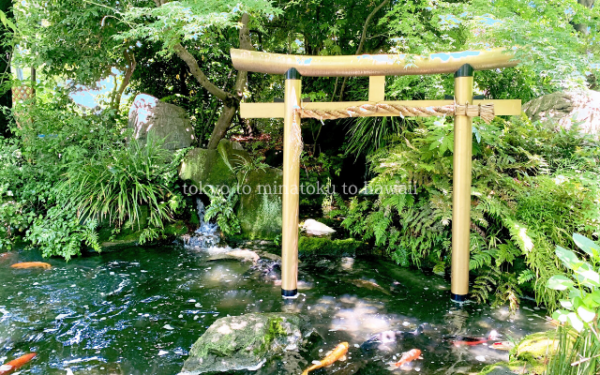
(408, 357)
(14, 365)
(337, 353)
(502, 345)
(26, 265)
(472, 341)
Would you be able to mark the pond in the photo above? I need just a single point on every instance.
(139, 311)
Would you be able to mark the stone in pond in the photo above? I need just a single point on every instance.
(316, 229)
(247, 342)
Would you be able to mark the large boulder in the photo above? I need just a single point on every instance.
(247, 342)
(567, 108)
(163, 120)
(260, 205)
(216, 168)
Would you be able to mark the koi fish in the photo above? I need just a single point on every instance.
(5, 255)
(408, 357)
(14, 365)
(26, 265)
(369, 284)
(337, 353)
(473, 341)
(502, 345)
(386, 341)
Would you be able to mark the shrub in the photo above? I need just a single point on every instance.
(531, 187)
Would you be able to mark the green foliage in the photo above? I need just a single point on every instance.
(367, 134)
(578, 338)
(116, 185)
(61, 233)
(583, 288)
(577, 353)
(221, 208)
(530, 187)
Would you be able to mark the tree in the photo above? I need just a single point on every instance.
(173, 23)
(5, 58)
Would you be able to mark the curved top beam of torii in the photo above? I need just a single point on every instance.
(371, 65)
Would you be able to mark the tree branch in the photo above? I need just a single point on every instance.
(198, 73)
(361, 44)
(126, 79)
(230, 109)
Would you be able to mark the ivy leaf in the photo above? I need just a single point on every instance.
(560, 282)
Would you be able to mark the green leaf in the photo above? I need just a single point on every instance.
(575, 321)
(560, 282)
(566, 304)
(568, 257)
(585, 314)
(586, 275)
(587, 245)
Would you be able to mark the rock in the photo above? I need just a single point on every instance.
(318, 246)
(247, 342)
(316, 229)
(566, 108)
(237, 254)
(260, 205)
(163, 120)
(501, 368)
(214, 168)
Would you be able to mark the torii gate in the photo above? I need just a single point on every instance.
(463, 108)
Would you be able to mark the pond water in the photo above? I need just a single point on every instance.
(139, 311)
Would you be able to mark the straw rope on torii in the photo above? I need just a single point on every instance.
(486, 111)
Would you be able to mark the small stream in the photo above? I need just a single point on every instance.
(139, 311)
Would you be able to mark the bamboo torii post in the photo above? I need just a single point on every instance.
(463, 108)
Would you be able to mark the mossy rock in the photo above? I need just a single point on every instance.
(259, 210)
(129, 238)
(501, 368)
(534, 351)
(214, 168)
(318, 246)
(247, 342)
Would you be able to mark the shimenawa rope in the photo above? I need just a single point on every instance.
(486, 111)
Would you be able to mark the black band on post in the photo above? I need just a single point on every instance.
(464, 71)
(292, 73)
(289, 293)
(460, 298)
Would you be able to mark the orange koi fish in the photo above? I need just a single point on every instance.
(408, 357)
(14, 365)
(25, 265)
(335, 355)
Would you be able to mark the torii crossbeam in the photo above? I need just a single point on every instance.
(463, 108)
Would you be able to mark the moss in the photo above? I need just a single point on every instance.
(312, 246)
(259, 210)
(177, 228)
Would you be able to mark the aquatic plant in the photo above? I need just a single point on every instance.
(578, 340)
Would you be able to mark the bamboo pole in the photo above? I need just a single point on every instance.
(292, 147)
(461, 194)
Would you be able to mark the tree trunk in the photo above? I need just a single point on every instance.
(230, 100)
(116, 101)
